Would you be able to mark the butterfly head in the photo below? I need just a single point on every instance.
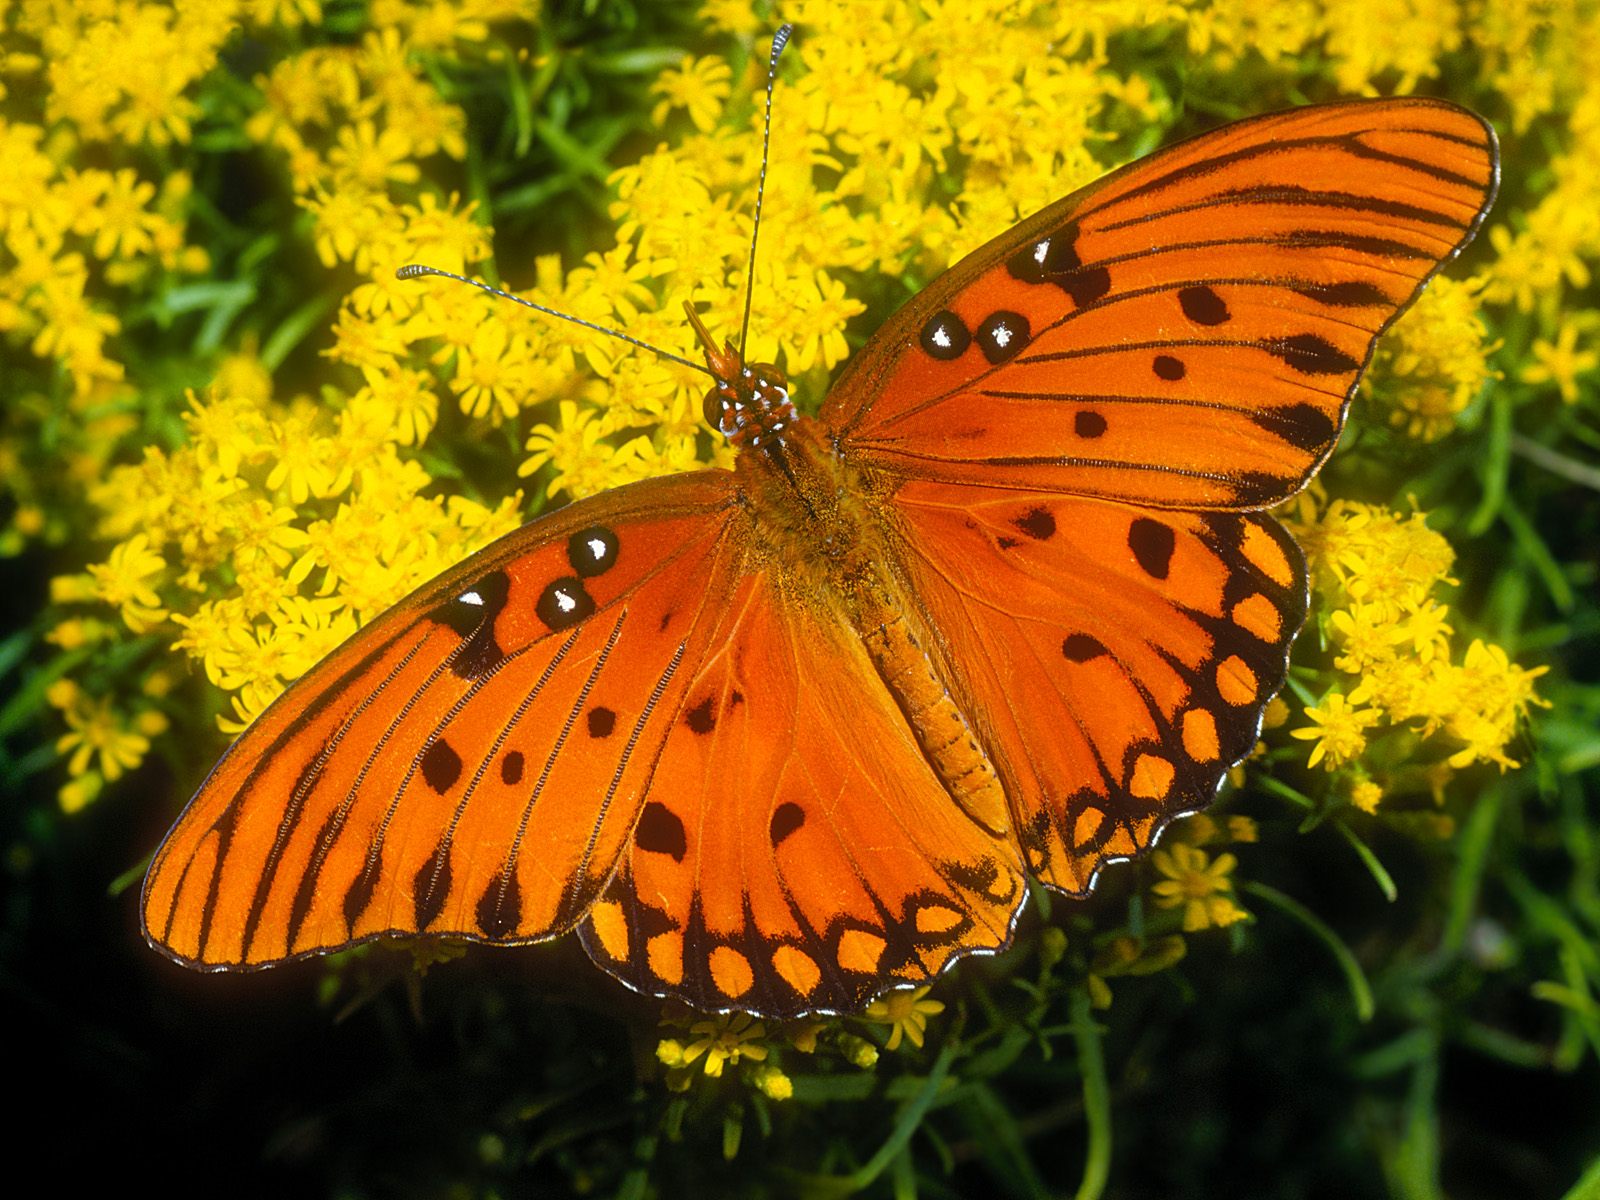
(749, 404)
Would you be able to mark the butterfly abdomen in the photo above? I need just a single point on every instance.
(939, 725)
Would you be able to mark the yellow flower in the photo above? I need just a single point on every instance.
(79, 792)
(1201, 887)
(1365, 795)
(1561, 362)
(725, 1039)
(701, 86)
(123, 581)
(1338, 728)
(906, 1012)
(369, 160)
(97, 731)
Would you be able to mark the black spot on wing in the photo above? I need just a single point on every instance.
(1002, 335)
(1080, 647)
(601, 722)
(1202, 305)
(511, 767)
(430, 886)
(592, 551)
(1355, 293)
(1302, 425)
(1088, 424)
(1037, 523)
(701, 718)
(499, 909)
(441, 766)
(1312, 355)
(945, 336)
(472, 615)
(1169, 368)
(786, 818)
(661, 832)
(1152, 544)
(563, 603)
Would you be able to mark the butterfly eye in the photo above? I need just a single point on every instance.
(712, 410)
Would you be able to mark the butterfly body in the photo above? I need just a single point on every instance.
(781, 737)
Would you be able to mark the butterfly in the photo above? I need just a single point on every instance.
(782, 737)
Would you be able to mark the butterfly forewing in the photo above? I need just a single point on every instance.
(1186, 332)
(473, 761)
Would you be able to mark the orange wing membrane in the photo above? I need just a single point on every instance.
(798, 852)
(471, 763)
(1188, 331)
(1118, 657)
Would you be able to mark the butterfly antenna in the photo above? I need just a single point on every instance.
(779, 41)
(417, 271)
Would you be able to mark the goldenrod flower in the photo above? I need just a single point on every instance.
(906, 1012)
(1201, 887)
(1561, 362)
(124, 582)
(97, 732)
(724, 1039)
(701, 86)
(1339, 729)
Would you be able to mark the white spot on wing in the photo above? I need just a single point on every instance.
(471, 598)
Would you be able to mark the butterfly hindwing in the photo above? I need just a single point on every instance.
(1187, 331)
(796, 851)
(1117, 656)
(469, 764)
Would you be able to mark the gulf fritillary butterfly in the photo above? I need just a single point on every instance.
(783, 737)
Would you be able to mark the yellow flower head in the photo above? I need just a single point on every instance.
(1201, 887)
(906, 1012)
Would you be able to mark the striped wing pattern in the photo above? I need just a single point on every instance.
(1188, 331)
(471, 763)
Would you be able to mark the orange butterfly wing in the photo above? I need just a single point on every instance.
(1184, 334)
(804, 855)
(1119, 656)
(1188, 330)
(472, 762)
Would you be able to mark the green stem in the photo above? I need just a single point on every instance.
(1360, 990)
(1096, 1097)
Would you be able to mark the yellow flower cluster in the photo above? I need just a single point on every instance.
(1376, 573)
(1433, 363)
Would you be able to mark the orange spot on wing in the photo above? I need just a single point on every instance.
(796, 968)
(1264, 553)
(860, 950)
(665, 952)
(1151, 778)
(1087, 826)
(1236, 682)
(1258, 615)
(937, 918)
(731, 972)
(611, 927)
(1200, 735)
